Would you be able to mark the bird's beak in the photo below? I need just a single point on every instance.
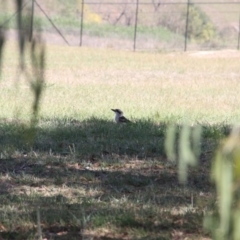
(113, 110)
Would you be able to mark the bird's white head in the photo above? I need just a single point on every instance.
(118, 112)
(118, 115)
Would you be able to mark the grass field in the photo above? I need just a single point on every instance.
(89, 178)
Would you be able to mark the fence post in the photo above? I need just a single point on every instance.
(186, 29)
(31, 23)
(81, 26)
(238, 32)
(135, 27)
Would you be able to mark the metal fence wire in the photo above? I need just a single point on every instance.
(133, 24)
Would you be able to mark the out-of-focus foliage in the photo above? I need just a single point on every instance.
(185, 148)
(2, 41)
(224, 222)
(35, 51)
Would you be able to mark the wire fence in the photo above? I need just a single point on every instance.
(134, 24)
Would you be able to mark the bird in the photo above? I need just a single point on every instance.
(119, 118)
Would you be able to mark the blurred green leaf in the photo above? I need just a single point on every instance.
(237, 164)
(225, 174)
(196, 136)
(35, 74)
(188, 147)
(21, 37)
(225, 194)
(185, 151)
(186, 154)
(236, 229)
(2, 41)
(170, 142)
(37, 81)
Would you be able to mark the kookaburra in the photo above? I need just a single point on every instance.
(119, 118)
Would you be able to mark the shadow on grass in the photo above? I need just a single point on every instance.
(94, 137)
(90, 175)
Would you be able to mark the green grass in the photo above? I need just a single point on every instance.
(82, 83)
(91, 177)
(127, 32)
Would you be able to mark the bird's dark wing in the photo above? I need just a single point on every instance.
(122, 119)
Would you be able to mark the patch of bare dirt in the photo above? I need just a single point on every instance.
(227, 53)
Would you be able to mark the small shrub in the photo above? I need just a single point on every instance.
(200, 27)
